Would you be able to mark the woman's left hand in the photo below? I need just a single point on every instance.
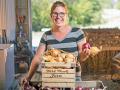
(85, 53)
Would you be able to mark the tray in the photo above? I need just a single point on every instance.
(91, 84)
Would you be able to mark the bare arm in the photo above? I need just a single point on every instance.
(35, 62)
(84, 54)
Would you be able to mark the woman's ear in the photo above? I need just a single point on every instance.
(67, 19)
(50, 15)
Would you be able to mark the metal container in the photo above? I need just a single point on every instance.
(91, 85)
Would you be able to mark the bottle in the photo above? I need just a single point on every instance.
(21, 33)
(28, 87)
(78, 88)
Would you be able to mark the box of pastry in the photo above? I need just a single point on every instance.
(58, 59)
(58, 69)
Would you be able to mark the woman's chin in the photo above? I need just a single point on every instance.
(59, 25)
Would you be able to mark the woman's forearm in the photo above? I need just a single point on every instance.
(35, 62)
(32, 70)
(83, 58)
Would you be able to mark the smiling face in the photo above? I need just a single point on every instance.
(59, 15)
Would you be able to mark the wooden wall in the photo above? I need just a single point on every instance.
(109, 40)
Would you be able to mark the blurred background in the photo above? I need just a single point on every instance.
(82, 13)
(22, 23)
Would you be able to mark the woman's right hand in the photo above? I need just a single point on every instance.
(25, 81)
(25, 84)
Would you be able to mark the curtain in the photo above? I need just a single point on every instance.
(11, 19)
(7, 18)
(2, 14)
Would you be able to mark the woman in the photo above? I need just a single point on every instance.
(61, 36)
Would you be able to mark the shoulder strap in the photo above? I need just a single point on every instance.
(75, 28)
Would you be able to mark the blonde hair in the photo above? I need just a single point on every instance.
(59, 3)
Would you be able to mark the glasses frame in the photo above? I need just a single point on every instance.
(61, 14)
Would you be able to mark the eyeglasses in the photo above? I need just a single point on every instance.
(61, 14)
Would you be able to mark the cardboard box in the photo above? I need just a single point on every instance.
(6, 66)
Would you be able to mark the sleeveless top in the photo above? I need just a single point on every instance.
(68, 44)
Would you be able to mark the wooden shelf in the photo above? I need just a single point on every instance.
(23, 9)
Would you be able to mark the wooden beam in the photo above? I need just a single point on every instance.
(110, 48)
